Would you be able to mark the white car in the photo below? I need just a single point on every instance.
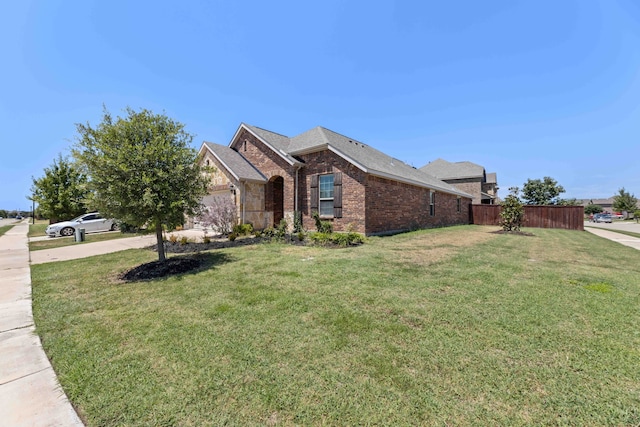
(91, 223)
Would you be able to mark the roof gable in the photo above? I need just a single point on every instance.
(361, 155)
(234, 163)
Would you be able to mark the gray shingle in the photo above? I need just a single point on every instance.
(369, 159)
(235, 163)
(443, 169)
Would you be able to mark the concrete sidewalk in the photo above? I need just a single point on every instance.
(85, 250)
(29, 391)
(623, 239)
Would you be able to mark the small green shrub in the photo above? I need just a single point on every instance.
(184, 240)
(320, 238)
(322, 226)
(232, 236)
(301, 236)
(206, 240)
(512, 212)
(297, 221)
(243, 229)
(282, 228)
(173, 238)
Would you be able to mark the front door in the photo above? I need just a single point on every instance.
(277, 195)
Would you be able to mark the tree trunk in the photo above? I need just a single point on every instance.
(160, 240)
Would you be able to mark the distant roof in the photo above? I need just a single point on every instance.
(237, 165)
(359, 154)
(492, 178)
(443, 169)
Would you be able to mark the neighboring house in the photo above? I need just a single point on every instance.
(605, 204)
(356, 187)
(468, 177)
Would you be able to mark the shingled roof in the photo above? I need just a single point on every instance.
(443, 169)
(237, 165)
(367, 158)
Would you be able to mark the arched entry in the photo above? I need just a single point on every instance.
(276, 196)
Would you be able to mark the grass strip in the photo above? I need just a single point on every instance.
(58, 242)
(5, 228)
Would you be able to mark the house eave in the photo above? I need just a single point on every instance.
(418, 183)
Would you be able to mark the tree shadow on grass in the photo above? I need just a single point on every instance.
(174, 266)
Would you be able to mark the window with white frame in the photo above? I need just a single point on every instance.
(325, 184)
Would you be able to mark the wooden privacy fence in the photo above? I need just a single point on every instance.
(567, 217)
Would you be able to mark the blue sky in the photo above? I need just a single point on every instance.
(525, 88)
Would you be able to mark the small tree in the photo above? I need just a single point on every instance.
(62, 192)
(512, 212)
(624, 201)
(636, 215)
(142, 170)
(221, 216)
(592, 209)
(542, 192)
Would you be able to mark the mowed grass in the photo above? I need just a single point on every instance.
(5, 228)
(455, 326)
(58, 242)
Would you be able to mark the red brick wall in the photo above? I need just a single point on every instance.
(394, 206)
(370, 205)
(269, 163)
(353, 190)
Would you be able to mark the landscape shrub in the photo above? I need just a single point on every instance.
(322, 226)
(297, 222)
(512, 212)
(243, 229)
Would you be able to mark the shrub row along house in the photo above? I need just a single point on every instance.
(271, 176)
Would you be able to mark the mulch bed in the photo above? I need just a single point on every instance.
(159, 269)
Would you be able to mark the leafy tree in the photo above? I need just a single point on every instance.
(542, 192)
(592, 209)
(142, 170)
(624, 201)
(636, 215)
(568, 202)
(512, 212)
(4, 213)
(62, 192)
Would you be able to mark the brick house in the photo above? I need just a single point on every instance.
(468, 177)
(270, 176)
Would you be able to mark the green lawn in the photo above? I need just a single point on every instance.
(57, 242)
(5, 228)
(38, 229)
(454, 326)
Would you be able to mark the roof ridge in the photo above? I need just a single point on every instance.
(344, 136)
(266, 130)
